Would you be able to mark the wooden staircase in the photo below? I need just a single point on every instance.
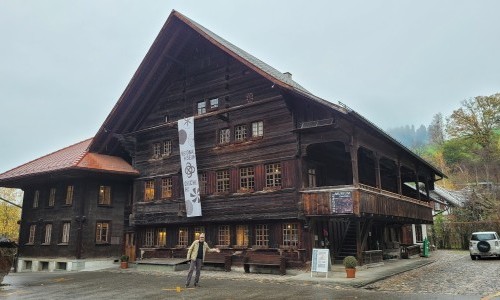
(348, 245)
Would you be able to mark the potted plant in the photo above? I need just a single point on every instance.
(350, 263)
(124, 261)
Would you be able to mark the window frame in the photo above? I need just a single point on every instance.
(65, 232)
(167, 148)
(70, 190)
(242, 236)
(183, 237)
(149, 190)
(257, 128)
(247, 178)
(36, 199)
(201, 107)
(47, 234)
(291, 234)
(224, 235)
(203, 182)
(166, 187)
(161, 237)
(32, 234)
(224, 136)
(99, 230)
(240, 133)
(274, 175)
(262, 235)
(104, 196)
(52, 197)
(156, 150)
(222, 181)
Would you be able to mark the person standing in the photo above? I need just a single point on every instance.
(196, 254)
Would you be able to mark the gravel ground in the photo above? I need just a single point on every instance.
(453, 273)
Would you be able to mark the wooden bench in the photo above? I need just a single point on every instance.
(266, 260)
(215, 258)
(408, 251)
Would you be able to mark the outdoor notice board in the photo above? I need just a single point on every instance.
(320, 261)
(341, 202)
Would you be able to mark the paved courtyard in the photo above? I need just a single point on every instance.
(453, 273)
(448, 275)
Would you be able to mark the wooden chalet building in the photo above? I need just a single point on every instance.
(279, 169)
(74, 208)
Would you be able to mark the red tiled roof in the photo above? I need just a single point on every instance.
(72, 157)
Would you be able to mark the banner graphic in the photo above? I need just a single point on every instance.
(189, 167)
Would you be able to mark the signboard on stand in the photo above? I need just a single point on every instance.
(320, 261)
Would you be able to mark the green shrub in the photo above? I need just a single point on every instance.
(350, 262)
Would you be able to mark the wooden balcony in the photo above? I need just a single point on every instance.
(361, 201)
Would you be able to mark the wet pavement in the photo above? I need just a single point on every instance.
(444, 275)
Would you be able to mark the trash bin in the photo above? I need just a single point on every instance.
(8, 251)
(425, 248)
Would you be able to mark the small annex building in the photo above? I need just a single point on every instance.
(277, 168)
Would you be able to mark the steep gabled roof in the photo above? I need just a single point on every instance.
(132, 94)
(133, 97)
(74, 157)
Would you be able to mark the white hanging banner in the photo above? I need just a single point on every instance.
(189, 167)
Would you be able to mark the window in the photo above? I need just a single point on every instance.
(202, 107)
(104, 195)
(149, 237)
(290, 234)
(203, 183)
(69, 195)
(418, 233)
(65, 232)
(52, 197)
(166, 187)
(242, 235)
(224, 236)
(149, 190)
(31, 238)
(262, 235)
(167, 148)
(214, 103)
(48, 234)
(311, 176)
(156, 150)
(247, 178)
(240, 133)
(183, 237)
(257, 129)
(224, 136)
(198, 231)
(36, 199)
(222, 181)
(161, 237)
(102, 232)
(273, 175)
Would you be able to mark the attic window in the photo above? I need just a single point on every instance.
(202, 107)
(214, 103)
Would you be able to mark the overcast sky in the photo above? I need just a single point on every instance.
(64, 64)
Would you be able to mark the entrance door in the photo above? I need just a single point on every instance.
(130, 245)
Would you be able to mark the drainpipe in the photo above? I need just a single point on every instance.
(80, 219)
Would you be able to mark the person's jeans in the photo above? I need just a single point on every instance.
(195, 264)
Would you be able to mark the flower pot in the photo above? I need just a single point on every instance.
(124, 265)
(351, 272)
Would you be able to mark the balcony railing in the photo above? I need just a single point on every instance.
(363, 200)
